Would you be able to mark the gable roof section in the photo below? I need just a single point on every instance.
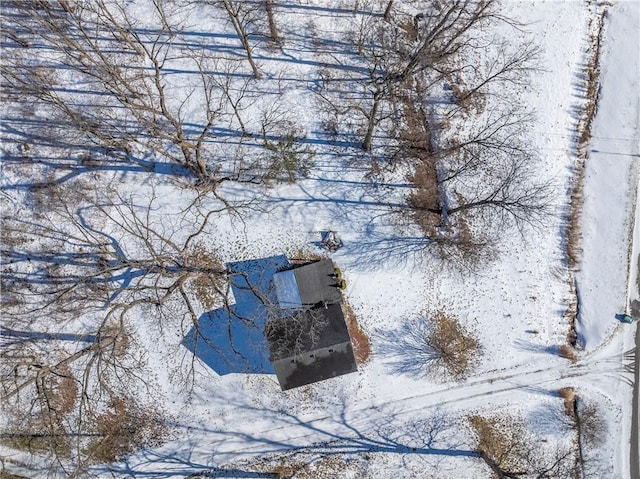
(287, 290)
(306, 331)
(307, 286)
(322, 364)
(310, 345)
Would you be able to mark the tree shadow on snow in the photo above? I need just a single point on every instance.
(231, 339)
(406, 350)
(428, 438)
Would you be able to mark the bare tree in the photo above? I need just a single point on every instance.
(234, 90)
(241, 15)
(504, 67)
(122, 98)
(438, 86)
(399, 48)
(294, 333)
(89, 256)
(510, 450)
(488, 172)
(104, 255)
(403, 51)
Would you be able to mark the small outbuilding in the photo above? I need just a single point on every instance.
(307, 334)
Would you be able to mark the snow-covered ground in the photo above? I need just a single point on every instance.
(386, 419)
(611, 179)
(607, 282)
(238, 416)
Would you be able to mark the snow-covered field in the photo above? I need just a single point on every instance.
(392, 418)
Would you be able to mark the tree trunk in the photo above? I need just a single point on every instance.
(243, 36)
(273, 29)
(387, 11)
(371, 123)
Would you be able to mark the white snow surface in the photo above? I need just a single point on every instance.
(240, 415)
(611, 179)
(515, 305)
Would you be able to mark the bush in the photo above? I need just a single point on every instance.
(567, 352)
(499, 441)
(510, 449)
(452, 347)
(439, 347)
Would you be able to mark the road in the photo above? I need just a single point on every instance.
(634, 309)
(634, 461)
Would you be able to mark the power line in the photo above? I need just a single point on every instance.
(606, 138)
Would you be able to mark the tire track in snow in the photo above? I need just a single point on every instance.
(350, 425)
(359, 428)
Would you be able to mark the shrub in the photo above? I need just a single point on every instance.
(569, 396)
(439, 347)
(510, 449)
(451, 346)
(593, 427)
(567, 352)
(498, 441)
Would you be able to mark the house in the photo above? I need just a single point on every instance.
(307, 335)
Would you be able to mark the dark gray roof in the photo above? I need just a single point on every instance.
(305, 331)
(317, 366)
(308, 285)
(310, 345)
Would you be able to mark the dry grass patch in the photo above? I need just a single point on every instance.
(208, 284)
(592, 89)
(325, 467)
(8, 475)
(574, 232)
(425, 198)
(571, 313)
(303, 465)
(36, 431)
(592, 71)
(359, 338)
(122, 429)
(39, 425)
(36, 440)
(416, 147)
(286, 469)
